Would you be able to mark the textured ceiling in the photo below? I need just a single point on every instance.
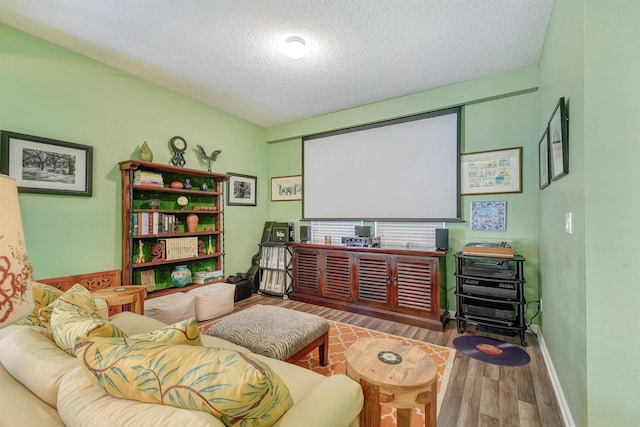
(226, 53)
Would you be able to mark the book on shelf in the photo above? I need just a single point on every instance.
(207, 277)
(181, 247)
(148, 178)
(152, 223)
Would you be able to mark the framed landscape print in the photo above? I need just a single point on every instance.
(489, 216)
(558, 142)
(491, 172)
(286, 188)
(543, 158)
(241, 190)
(43, 165)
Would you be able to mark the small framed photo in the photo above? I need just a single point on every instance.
(285, 188)
(558, 142)
(43, 165)
(241, 190)
(543, 157)
(491, 172)
(489, 216)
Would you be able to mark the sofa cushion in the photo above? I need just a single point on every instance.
(185, 332)
(70, 322)
(81, 403)
(20, 407)
(34, 359)
(230, 385)
(43, 295)
(77, 296)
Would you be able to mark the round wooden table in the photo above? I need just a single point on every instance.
(393, 373)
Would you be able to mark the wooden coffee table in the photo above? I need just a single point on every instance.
(405, 382)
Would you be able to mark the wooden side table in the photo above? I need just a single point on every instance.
(133, 296)
(393, 373)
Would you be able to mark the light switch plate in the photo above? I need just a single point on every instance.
(568, 223)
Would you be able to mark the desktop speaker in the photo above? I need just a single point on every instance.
(305, 233)
(442, 239)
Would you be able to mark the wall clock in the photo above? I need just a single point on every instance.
(182, 201)
(179, 146)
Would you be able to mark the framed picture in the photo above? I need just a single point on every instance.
(491, 172)
(489, 216)
(43, 165)
(286, 188)
(241, 190)
(558, 142)
(543, 157)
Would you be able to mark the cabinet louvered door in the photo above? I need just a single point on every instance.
(373, 280)
(416, 286)
(306, 271)
(337, 276)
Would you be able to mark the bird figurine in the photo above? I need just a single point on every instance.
(207, 157)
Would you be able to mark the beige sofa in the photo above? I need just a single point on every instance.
(42, 385)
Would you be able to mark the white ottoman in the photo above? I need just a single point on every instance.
(213, 300)
(170, 308)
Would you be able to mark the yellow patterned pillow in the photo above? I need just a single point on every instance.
(70, 322)
(185, 332)
(43, 295)
(228, 384)
(77, 296)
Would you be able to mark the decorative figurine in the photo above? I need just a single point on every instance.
(210, 248)
(179, 146)
(140, 258)
(145, 153)
(187, 184)
(208, 158)
(204, 186)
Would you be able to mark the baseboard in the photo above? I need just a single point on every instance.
(555, 382)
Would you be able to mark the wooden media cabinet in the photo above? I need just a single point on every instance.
(401, 285)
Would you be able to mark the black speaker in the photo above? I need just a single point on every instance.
(363, 230)
(305, 233)
(442, 239)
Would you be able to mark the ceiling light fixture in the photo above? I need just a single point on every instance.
(295, 47)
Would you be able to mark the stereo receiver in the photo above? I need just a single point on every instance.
(487, 288)
(503, 313)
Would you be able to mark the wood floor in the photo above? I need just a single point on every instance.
(479, 394)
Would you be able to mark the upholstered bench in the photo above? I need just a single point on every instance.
(275, 332)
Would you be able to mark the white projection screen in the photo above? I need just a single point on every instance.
(403, 169)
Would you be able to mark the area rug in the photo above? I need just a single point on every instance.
(342, 335)
(492, 351)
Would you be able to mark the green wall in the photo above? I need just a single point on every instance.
(51, 92)
(588, 278)
(500, 112)
(612, 109)
(562, 256)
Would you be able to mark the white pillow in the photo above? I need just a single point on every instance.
(36, 361)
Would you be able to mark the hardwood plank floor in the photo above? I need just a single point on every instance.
(479, 394)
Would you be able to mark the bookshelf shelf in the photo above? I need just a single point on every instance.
(144, 259)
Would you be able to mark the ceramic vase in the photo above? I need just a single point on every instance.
(181, 276)
(146, 155)
(187, 184)
(192, 223)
